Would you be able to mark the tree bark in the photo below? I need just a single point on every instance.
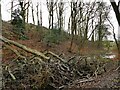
(116, 10)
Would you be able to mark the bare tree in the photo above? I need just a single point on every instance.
(73, 21)
(0, 49)
(27, 13)
(116, 10)
(50, 5)
(40, 14)
(38, 22)
(11, 8)
(24, 6)
(33, 14)
(59, 11)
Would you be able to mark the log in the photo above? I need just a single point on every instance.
(53, 54)
(15, 51)
(86, 80)
(35, 52)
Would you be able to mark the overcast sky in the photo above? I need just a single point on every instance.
(5, 9)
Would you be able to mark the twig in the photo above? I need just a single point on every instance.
(87, 80)
(117, 68)
(71, 59)
(13, 77)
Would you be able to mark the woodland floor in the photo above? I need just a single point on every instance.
(106, 80)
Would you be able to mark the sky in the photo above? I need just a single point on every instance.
(6, 15)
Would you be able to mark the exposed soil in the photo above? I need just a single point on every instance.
(109, 79)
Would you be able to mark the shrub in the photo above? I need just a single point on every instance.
(19, 26)
(53, 36)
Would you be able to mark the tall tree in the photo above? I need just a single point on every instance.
(116, 9)
(33, 14)
(40, 14)
(11, 8)
(73, 22)
(38, 21)
(103, 14)
(0, 49)
(27, 16)
(60, 14)
(23, 6)
(50, 5)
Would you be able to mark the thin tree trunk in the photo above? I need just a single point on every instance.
(52, 15)
(40, 14)
(49, 21)
(100, 31)
(11, 8)
(27, 13)
(33, 15)
(93, 32)
(1, 75)
(38, 22)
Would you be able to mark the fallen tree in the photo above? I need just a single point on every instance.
(35, 52)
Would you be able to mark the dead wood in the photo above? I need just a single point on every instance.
(117, 68)
(71, 59)
(35, 52)
(14, 50)
(86, 80)
(55, 55)
(10, 73)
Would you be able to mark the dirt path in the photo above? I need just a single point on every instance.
(107, 80)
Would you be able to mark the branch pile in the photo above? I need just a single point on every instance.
(41, 71)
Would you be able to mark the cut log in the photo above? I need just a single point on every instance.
(35, 52)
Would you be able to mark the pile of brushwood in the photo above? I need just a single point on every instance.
(42, 71)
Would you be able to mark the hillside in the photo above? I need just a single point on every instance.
(95, 60)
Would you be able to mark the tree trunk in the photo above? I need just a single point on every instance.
(52, 15)
(40, 14)
(100, 31)
(117, 13)
(38, 22)
(93, 32)
(27, 13)
(0, 49)
(116, 10)
(33, 15)
(11, 8)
